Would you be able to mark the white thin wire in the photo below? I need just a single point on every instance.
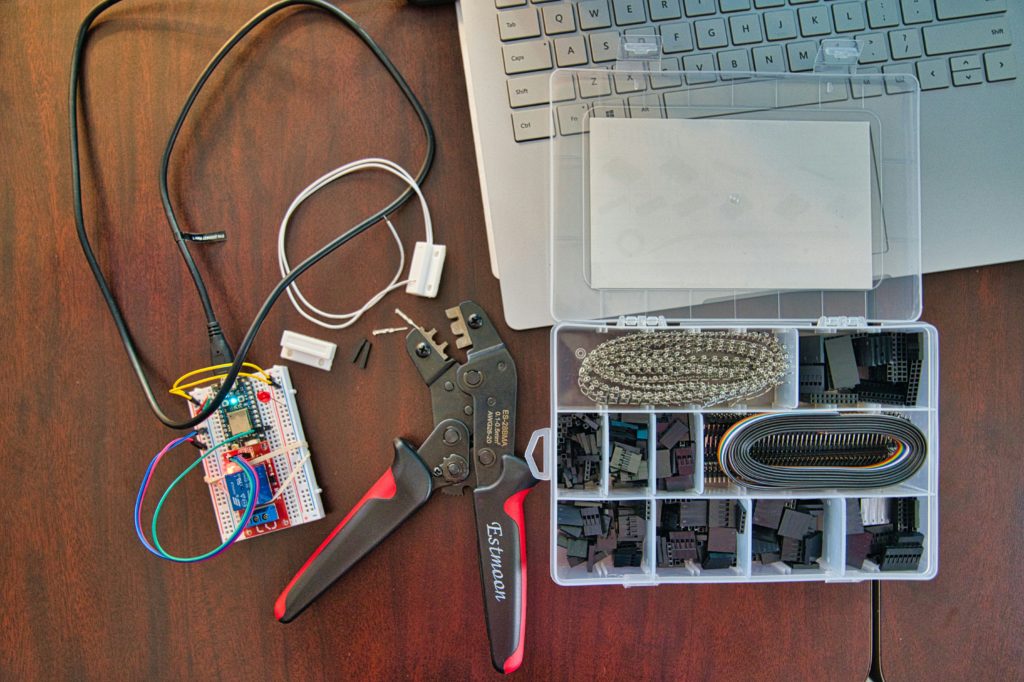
(291, 477)
(309, 311)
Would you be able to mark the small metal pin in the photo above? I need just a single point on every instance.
(407, 319)
(389, 330)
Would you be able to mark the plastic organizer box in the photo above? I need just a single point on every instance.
(653, 495)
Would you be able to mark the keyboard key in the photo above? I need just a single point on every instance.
(933, 74)
(531, 124)
(518, 23)
(883, 13)
(699, 8)
(780, 25)
(698, 62)
(676, 38)
(558, 19)
(1000, 66)
(529, 56)
(733, 60)
(570, 51)
(968, 77)
(917, 11)
(635, 37)
(604, 46)
(814, 21)
(765, 4)
(627, 82)
(594, 84)
(849, 16)
(978, 34)
(836, 90)
(874, 48)
(802, 54)
(668, 80)
(958, 9)
(645, 106)
(769, 59)
(896, 81)
(594, 14)
(801, 2)
(527, 91)
(664, 9)
(710, 97)
(864, 86)
(572, 118)
(755, 93)
(734, 5)
(710, 33)
(965, 63)
(746, 29)
(608, 108)
(629, 12)
(502, 4)
(677, 104)
(905, 44)
(645, 35)
(804, 92)
(530, 90)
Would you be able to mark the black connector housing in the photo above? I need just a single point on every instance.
(220, 351)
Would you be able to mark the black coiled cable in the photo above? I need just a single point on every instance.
(745, 460)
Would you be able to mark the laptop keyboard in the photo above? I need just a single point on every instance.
(945, 43)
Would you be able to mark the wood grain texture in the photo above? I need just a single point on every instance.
(966, 623)
(82, 599)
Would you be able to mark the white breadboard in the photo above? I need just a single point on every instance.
(300, 501)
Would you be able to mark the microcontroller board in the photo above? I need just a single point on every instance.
(265, 409)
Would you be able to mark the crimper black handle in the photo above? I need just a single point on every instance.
(501, 532)
(403, 489)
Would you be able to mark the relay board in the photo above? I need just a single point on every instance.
(276, 449)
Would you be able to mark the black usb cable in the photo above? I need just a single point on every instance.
(220, 351)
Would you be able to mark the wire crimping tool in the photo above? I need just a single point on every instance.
(471, 446)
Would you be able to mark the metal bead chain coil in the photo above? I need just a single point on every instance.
(683, 367)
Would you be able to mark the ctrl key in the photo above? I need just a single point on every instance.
(531, 124)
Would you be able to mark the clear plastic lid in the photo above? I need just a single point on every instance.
(725, 195)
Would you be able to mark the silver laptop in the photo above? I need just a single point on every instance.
(966, 54)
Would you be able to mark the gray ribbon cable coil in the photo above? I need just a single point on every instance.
(821, 450)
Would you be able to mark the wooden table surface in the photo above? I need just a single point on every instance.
(83, 600)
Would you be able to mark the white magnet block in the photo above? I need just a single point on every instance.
(425, 270)
(307, 350)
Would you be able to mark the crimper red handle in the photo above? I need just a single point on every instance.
(403, 489)
(501, 533)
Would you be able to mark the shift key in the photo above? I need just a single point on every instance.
(979, 34)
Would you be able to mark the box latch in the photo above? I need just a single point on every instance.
(838, 55)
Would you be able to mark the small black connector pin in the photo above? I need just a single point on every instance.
(363, 351)
(359, 351)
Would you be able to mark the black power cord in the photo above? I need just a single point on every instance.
(218, 344)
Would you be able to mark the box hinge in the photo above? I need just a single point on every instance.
(837, 321)
(642, 321)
